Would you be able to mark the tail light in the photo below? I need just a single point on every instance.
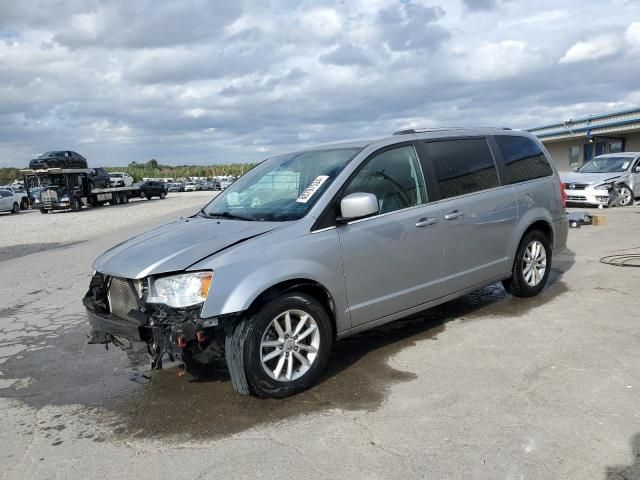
(563, 195)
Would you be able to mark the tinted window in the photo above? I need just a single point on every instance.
(394, 177)
(523, 158)
(463, 166)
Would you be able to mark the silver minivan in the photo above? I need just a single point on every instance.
(310, 247)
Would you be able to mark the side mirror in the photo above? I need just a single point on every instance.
(575, 169)
(358, 205)
(637, 169)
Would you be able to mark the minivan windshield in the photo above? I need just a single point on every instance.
(281, 188)
(606, 165)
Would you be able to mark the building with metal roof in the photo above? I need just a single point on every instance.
(575, 141)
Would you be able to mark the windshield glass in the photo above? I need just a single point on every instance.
(281, 188)
(606, 165)
(115, 175)
(51, 154)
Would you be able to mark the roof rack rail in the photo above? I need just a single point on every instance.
(410, 131)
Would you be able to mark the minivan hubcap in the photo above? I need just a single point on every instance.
(289, 345)
(534, 263)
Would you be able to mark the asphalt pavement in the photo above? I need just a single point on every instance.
(484, 387)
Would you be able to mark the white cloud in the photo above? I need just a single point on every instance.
(496, 60)
(598, 47)
(201, 81)
(632, 36)
(322, 22)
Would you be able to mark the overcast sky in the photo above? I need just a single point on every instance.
(195, 81)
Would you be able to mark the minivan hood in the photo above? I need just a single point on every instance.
(176, 246)
(590, 178)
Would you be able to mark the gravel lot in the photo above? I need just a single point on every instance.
(484, 387)
(30, 231)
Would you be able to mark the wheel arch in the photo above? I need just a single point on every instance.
(300, 285)
(537, 219)
(542, 225)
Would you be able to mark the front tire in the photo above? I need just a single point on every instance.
(626, 196)
(282, 349)
(16, 208)
(531, 266)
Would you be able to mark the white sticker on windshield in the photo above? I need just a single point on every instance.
(625, 165)
(312, 188)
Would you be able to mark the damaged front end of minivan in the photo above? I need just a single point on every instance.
(145, 316)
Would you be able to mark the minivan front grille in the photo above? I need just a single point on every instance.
(576, 186)
(122, 298)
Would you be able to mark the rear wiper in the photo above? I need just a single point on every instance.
(228, 215)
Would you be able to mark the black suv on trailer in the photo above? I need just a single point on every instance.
(99, 178)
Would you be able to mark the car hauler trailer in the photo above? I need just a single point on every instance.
(69, 188)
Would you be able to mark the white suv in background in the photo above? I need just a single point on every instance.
(190, 187)
(120, 179)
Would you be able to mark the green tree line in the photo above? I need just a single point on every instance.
(152, 169)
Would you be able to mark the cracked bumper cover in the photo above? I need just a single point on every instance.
(103, 326)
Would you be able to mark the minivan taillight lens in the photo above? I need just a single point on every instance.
(563, 195)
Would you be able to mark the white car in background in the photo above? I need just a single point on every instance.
(590, 184)
(120, 179)
(190, 187)
(9, 201)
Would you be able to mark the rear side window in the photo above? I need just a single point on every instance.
(463, 166)
(523, 159)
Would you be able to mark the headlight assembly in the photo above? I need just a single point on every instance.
(604, 186)
(180, 291)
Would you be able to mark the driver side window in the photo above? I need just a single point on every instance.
(394, 177)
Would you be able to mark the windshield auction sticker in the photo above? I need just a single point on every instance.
(312, 188)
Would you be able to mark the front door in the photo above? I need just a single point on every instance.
(392, 261)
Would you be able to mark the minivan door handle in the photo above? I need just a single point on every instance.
(425, 222)
(453, 215)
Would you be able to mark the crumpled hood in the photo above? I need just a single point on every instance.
(590, 178)
(176, 246)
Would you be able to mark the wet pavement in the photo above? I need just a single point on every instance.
(488, 358)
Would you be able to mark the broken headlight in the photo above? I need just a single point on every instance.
(180, 291)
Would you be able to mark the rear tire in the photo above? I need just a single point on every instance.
(531, 266)
(163, 196)
(44, 211)
(293, 366)
(16, 208)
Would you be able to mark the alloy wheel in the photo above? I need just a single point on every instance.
(626, 196)
(289, 345)
(534, 263)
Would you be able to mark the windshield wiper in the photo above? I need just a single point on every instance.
(228, 215)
